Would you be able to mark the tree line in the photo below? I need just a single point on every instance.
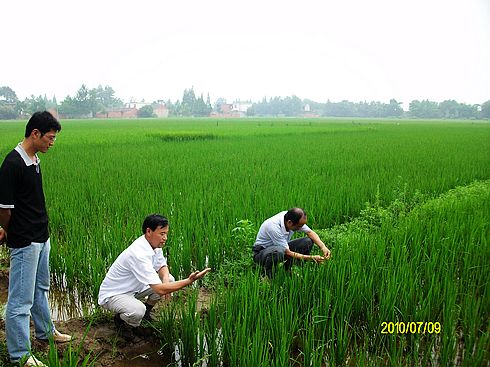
(87, 102)
(293, 106)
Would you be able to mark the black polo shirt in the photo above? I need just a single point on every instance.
(21, 191)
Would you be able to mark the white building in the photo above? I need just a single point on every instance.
(241, 107)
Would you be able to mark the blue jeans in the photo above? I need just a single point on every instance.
(28, 293)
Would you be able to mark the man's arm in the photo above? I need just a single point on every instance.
(316, 240)
(165, 288)
(279, 240)
(297, 255)
(163, 273)
(4, 223)
(4, 218)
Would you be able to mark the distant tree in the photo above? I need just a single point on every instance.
(85, 101)
(208, 104)
(145, 111)
(7, 113)
(81, 105)
(188, 102)
(9, 104)
(106, 97)
(315, 107)
(201, 108)
(485, 110)
(251, 110)
(176, 109)
(424, 109)
(450, 109)
(292, 106)
(7, 95)
(394, 109)
(277, 106)
(467, 111)
(33, 104)
(340, 109)
(217, 105)
(171, 108)
(69, 107)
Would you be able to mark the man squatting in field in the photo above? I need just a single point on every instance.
(24, 226)
(140, 272)
(273, 243)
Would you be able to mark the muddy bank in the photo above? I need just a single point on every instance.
(101, 339)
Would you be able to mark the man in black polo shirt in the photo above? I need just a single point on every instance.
(24, 223)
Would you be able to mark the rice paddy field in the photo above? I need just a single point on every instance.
(404, 207)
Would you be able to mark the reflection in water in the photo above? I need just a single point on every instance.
(150, 358)
(64, 304)
(68, 304)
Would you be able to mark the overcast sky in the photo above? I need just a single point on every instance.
(318, 49)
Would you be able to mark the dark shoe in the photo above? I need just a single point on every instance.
(120, 324)
(123, 329)
(147, 316)
(143, 331)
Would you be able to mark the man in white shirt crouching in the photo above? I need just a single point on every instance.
(140, 272)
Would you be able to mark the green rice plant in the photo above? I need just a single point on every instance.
(417, 253)
(71, 357)
(191, 339)
(167, 326)
(182, 136)
(212, 333)
(4, 355)
(312, 351)
(111, 196)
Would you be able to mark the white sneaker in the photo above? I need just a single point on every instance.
(61, 338)
(33, 361)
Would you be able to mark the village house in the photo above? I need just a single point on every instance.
(234, 110)
(130, 110)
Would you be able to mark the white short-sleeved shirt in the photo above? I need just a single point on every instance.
(133, 271)
(273, 232)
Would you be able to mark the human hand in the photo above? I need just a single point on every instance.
(317, 258)
(3, 235)
(326, 253)
(198, 274)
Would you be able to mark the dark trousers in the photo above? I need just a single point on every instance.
(269, 257)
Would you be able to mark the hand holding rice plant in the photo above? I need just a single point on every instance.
(318, 259)
(326, 253)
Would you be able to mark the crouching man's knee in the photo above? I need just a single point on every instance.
(155, 297)
(134, 317)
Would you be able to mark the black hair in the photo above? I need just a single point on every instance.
(294, 215)
(153, 221)
(43, 121)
